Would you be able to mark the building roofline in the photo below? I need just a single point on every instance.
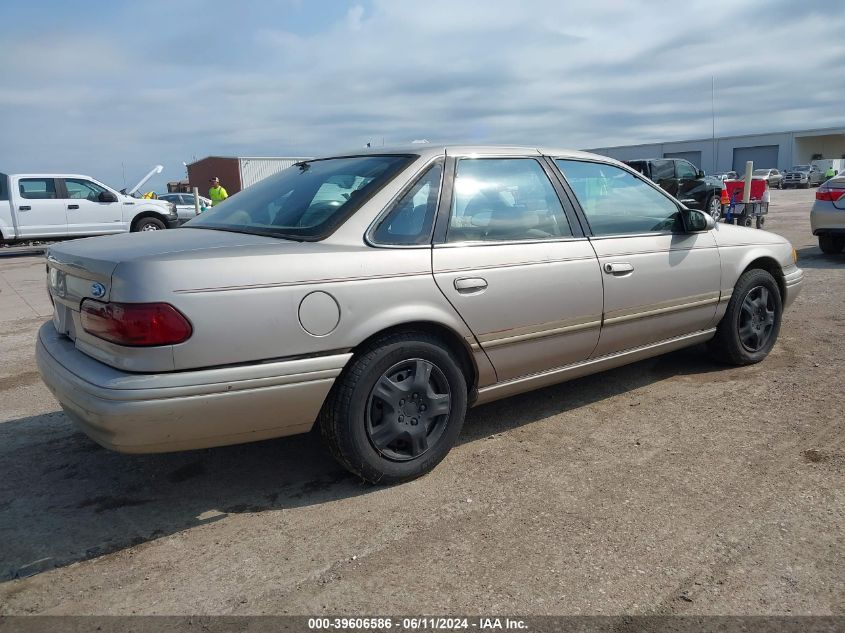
(839, 128)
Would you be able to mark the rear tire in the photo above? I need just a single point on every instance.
(761, 220)
(747, 221)
(830, 244)
(397, 409)
(148, 224)
(750, 327)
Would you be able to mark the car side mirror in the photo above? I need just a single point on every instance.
(697, 221)
(107, 196)
(701, 173)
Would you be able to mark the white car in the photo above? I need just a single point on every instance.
(34, 206)
(184, 202)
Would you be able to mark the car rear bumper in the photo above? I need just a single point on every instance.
(826, 219)
(151, 413)
(793, 277)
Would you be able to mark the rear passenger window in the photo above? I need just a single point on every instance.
(4, 192)
(504, 199)
(616, 202)
(37, 188)
(662, 170)
(411, 219)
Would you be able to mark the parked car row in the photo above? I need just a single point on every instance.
(382, 293)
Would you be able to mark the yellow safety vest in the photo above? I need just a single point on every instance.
(217, 194)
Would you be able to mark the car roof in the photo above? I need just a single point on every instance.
(431, 150)
(53, 176)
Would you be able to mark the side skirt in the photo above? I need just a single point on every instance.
(592, 366)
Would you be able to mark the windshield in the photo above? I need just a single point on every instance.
(304, 202)
(801, 168)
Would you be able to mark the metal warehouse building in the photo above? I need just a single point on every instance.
(236, 173)
(779, 150)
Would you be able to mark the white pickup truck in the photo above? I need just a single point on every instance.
(35, 206)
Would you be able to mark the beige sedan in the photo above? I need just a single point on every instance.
(378, 295)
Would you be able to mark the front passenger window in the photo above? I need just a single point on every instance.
(616, 202)
(686, 170)
(504, 199)
(78, 189)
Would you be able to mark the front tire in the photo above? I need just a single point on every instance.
(397, 409)
(148, 224)
(750, 327)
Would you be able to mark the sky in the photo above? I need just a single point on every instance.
(110, 89)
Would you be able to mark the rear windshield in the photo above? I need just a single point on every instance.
(304, 202)
(761, 172)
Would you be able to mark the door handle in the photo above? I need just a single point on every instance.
(24, 208)
(73, 206)
(470, 284)
(621, 268)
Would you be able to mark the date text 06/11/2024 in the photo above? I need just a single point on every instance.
(421, 623)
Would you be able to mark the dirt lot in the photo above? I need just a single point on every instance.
(671, 486)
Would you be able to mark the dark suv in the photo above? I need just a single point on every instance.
(683, 180)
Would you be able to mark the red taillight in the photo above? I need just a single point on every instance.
(829, 194)
(135, 324)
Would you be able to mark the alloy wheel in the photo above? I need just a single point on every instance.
(715, 209)
(756, 319)
(408, 409)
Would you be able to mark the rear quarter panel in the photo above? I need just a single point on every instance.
(247, 308)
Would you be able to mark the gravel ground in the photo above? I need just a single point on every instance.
(672, 486)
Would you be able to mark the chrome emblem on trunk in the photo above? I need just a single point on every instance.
(97, 290)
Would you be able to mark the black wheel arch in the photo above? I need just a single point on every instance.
(451, 340)
(148, 214)
(771, 266)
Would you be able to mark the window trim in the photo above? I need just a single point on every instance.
(369, 234)
(441, 227)
(592, 235)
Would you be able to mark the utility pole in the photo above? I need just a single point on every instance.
(713, 116)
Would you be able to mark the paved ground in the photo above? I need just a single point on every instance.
(671, 486)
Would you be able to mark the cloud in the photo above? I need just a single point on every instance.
(165, 81)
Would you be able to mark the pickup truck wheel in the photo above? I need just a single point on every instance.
(750, 327)
(397, 409)
(714, 208)
(148, 224)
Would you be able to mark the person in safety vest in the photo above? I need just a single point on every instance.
(830, 173)
(217, 193)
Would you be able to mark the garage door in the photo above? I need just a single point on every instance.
(693, 157)
(764, 157)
